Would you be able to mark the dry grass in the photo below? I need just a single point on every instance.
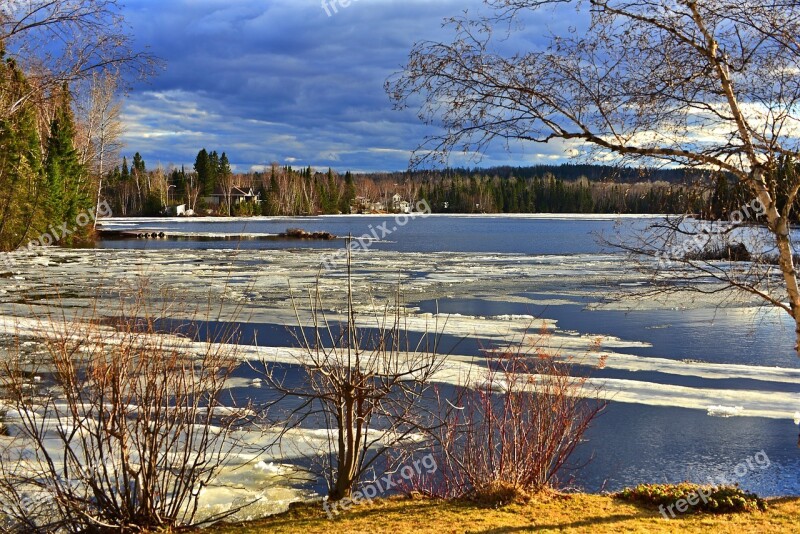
(562, 513)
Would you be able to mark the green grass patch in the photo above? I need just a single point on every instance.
(694, 498)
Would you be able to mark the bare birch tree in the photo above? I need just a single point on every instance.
(712, 84)
(100, 117)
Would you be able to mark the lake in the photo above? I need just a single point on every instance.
(697, 388)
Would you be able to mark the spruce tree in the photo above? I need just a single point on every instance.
(201, 167)
(213, 172)
(139, 165)
(349, 193)
(22, 181)
(224, 177)
(66, 177)
(224, 168)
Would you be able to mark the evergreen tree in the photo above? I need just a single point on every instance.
(349, 193)
(224, 168)
(22, 178)
(271, 205)
(224, 177)
(213, 173)
(202, 168)
(138, 164)
(66, 177)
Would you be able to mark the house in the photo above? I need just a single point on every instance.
(237, 196)
(360, 205)
(177, 210)
(399, 205)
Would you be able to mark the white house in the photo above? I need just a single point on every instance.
(396, 199)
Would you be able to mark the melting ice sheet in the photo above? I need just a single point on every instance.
(465, 370)
(255, 286)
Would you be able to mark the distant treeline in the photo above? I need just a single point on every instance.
(594, 173)
(211, 187)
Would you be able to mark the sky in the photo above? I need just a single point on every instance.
(290, 81)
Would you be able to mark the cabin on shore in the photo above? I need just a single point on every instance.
(237, 196)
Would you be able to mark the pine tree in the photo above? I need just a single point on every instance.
(271, 205)
(225, 178)
(213, 173)
(224, 168)
(139, 165)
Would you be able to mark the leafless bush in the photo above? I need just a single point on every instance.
(364, 389)
(514, 430)
(129, 433)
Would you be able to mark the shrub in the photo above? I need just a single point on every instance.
(717, 499)
(129, 433)
(512, 433)
(367, 387)
(246, 209)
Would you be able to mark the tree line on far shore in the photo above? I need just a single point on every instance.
(211, 187)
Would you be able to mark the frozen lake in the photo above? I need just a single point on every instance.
(669, 361)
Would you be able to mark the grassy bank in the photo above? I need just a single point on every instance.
(570, 513)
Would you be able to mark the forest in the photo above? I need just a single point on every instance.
(211, 187)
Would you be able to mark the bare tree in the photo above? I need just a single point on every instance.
(193, 189)
(99, 114)
(366, 390)
(514, 429)
(710, 84)
(228, 181)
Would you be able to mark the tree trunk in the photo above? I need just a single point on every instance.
(348, 451)
(99, 182)
(786, 262)
(779, 226)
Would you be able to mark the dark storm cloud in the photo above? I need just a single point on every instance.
(283, 81)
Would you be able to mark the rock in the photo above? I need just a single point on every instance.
(299, 233)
